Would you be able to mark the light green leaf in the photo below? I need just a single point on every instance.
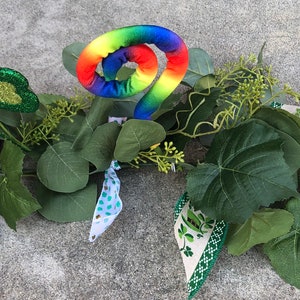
(205, 83)
(200, 64)
(62, 169)
(16, 202)
(244, 170)
(137, 135)
(284, 251)
(100, 149)
(263, 226)
(68, 207)
(70, 56)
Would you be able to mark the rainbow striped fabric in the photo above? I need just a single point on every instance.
(116, 47)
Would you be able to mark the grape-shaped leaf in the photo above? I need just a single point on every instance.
(244, 170)
(284, 251)
(16, 202)
(263, 226)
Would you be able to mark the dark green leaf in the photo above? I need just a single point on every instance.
(10, 118)
(124, 73)
(197, 109)
(70, 56)
(284, 251)
(244, 170)
(100, 148)
(137, 135)
(125, 107)
(288, 128)
(200, 64)
(68, 207)
(67, 130)
(16, 202)
(263, 226)
(97, 115)
(62, 169)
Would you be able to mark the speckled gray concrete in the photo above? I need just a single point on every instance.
(137, 257)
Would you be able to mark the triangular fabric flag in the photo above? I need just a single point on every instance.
(109, 204)
(200, 240)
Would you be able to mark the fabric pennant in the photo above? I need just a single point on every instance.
(109, 204)
(200, 240)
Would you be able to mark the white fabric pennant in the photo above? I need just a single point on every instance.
(109, 204)
(200, 240)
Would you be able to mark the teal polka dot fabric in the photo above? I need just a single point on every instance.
(109, 204)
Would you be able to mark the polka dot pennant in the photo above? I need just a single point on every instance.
(109, 204)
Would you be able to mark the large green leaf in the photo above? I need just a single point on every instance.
(70, 56)
(263, 226)
(137, 135)
(16, 202)
(97, 115)
(288, 127)
(62, 169)
(200, 64)
(100, 149)
(284, 251)
(68, 207)
(244, 170)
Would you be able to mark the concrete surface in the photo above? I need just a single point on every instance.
(137, 258)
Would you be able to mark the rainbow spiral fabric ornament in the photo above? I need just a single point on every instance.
(116, 47)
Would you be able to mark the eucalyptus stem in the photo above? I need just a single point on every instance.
(13, 139)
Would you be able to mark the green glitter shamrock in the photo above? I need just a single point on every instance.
(14, 92)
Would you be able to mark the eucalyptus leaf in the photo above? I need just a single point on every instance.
(62, 169)
(124, 73)
(100, 148)
(97, 115)
(125, 107)
(200, 64)
(70, 56)
(284, 251)
(244, 170)
(16, 201)
(68, 130)
(263, 226)
(10, 118)
(137, 135)
(68, 207)
(205, 83)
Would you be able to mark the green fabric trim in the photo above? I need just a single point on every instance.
(210, 254)
(208, 258)
(179, 205)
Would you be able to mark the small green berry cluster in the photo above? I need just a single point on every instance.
(165, 160)
(34, 133)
